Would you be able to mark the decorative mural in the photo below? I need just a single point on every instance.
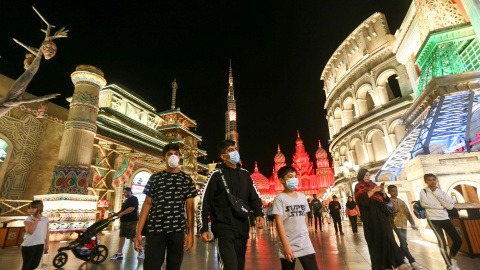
(125, 167)
(24, 133)
(70, 179)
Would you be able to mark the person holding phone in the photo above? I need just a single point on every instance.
(372, 202)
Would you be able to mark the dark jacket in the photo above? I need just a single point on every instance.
(215, 202)
(335, 208)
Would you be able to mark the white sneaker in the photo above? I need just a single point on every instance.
(454, 265)
(416, 266)
(141, 255)
(117, 256)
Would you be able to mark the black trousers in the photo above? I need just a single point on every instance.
(157, 244)
(308, 262)
(317, 216)
(353, 220)
(438, 226)
(231, 250)
(337, 223)
(32, 255)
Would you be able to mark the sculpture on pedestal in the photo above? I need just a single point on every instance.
(47, 49)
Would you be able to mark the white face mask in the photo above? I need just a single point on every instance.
(173, 161)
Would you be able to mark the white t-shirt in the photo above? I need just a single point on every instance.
(293, 211)
(39, 235)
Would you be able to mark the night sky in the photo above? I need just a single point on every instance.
(278, 51)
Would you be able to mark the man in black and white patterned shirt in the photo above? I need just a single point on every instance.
(167, 194)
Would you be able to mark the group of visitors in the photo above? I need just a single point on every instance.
(232, 203)
(382, 215)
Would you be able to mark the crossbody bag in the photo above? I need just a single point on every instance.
(239, 207)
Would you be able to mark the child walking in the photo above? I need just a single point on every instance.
(290, 209)
(35, 240)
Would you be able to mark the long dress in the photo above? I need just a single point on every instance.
(384, 250)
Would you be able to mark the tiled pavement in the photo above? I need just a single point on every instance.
(333, 252)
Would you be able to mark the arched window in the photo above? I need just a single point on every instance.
(138, 185)
(3, 150)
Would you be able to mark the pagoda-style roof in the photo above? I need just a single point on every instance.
(181, 117)
(179, 126)
(261, 182)
(127, 92)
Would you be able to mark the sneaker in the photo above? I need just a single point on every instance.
(416, 266)
(117, 256)
(404, 267)
(141, 255)
(454, 264)
(341, 233)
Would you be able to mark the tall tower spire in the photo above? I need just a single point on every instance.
(231, 113)
(174, 92)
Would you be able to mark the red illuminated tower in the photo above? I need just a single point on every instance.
(231, 113)
(275, 185)
(301, 162)
(324, 172)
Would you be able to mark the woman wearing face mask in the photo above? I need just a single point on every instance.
(290, 209)
(371, 199)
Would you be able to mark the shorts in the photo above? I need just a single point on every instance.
(270, 218)
(128, 229)
(324, 214)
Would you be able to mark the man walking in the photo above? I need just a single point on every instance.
(316, 207)
(401, 215)
(230, 229)
(335, 209)
(167, 194)
(128, 221)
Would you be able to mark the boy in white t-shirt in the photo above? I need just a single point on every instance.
(290, 209)
(35, 240)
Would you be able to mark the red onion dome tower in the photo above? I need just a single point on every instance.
(263, 185)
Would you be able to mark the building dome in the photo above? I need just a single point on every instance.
(279, 157)
(261, 182)
(321, 153)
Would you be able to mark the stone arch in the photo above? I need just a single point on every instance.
(338, 120)
(356, 144)
(378, 148)
(388, 86)
(135, 173)
(469, 190)
(365, 100)
(5, 159)
(348, 110)
(396, 131)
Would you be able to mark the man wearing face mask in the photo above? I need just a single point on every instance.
(230, 230)
(167, 194)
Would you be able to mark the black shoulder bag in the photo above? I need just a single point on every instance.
(239, 207)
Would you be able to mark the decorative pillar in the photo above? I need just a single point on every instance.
(364, 147)
(383, 124)
(370, 152)
(68, 207)
(382, 95)
(393, 140)
(74, 158)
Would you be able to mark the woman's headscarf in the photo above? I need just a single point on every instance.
(364, 187)
(350, 205)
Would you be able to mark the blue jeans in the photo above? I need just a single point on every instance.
(402, 236)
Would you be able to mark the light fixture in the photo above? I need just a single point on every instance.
(356, 167)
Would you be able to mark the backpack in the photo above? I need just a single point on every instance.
(418, 210)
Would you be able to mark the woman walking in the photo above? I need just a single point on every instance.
(352, 213)
(437, 202)
(371, 200)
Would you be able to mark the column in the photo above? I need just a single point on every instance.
(393, 140)
(74, 159)
(472, 7)
(365, 152)
(370, 152)
(388, 143)
(382, 95)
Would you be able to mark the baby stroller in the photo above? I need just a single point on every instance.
(84, 248)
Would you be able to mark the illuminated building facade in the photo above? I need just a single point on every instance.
(121, 137)
(309, 181)
(231, 113)
(439, 126)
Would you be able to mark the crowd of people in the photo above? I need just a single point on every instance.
(231, 208)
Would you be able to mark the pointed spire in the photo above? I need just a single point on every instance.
(298, 134)
(278, 147)
(174, 92)
(230, 75)
(319, 144)
(256, 167)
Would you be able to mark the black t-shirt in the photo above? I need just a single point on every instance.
(168, 191)
(132, 216)
(334, 208)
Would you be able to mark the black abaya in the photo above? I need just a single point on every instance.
(384, 250)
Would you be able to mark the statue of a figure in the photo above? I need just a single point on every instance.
(48, 49)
